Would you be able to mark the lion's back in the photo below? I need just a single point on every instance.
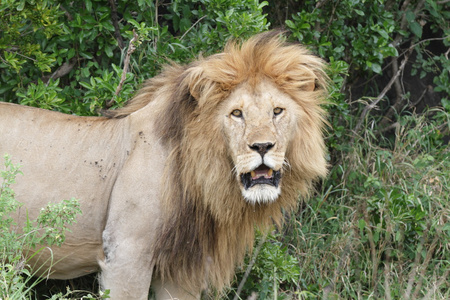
(61, 156)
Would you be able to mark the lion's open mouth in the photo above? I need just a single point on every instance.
(261, 175)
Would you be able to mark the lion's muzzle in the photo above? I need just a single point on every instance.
(261, 175)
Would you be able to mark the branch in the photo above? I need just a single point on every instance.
(190, 28)
(131, 49)
(63, 70)
(415, 266)
(115, 21)
(66, 13)
(438, 284)
(369, 107)
(249, 267)
(425, 264)
(373, 251)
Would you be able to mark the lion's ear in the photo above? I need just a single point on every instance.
(309, 86)
(195, 81)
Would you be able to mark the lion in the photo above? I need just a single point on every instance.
(172, 185)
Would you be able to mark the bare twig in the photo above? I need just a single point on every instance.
(190, 28)
(441, 281)
(156, 38)
(425, 264)
(63, 70)
(373, 250)
(66, 13)
(249, 267)
(131, 49)
(387, 263)
(399, 95)
(415, 266)
(372, 105)
(115, 21)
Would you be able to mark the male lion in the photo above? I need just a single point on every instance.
(172, 185)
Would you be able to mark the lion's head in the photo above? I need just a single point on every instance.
(259, 123)
(257, 118)
(244, 131)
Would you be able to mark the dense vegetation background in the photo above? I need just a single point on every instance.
(378, 226)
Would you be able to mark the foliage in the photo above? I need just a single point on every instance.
(81, 44)
(382, 232)
(49, 228)
(358, 32)
(371, 39)
(275, 273)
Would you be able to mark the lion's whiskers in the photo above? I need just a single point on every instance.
(286, 165)
(234, 171)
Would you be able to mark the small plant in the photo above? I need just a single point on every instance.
(48, 229)
(274, 269)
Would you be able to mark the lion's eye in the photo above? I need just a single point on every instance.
(237, 113)
(277, 111)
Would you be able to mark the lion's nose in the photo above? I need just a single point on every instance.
(262, 148)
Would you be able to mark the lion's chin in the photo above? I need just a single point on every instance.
(262, 185)
(261, 193)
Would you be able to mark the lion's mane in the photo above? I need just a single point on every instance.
(208, 226)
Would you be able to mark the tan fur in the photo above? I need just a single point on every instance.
(180, 124)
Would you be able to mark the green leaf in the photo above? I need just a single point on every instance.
(88, 4)
(21, 5)
(86, 55)
(361, 224)
(416, 28)
(109, 52)
(290, 24)
(410, 16)
(375, 67)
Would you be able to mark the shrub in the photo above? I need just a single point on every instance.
(382, 231)
(48, 229)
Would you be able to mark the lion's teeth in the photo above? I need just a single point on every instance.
(253, 174)
(270, 172)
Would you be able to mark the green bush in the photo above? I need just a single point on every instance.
(48, 229)
(382, 231)
(75, 51)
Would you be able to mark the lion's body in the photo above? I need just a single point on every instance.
(173, 184)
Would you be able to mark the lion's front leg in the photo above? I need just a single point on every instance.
(168, 290)
(126, 270)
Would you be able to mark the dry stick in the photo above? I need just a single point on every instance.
(382, 94)
(415, 266)
(373, 250)
(249, 267)
(115, 21)
(155, 38)
(398, 92)
(424, 265)
(394, 79)
(387, 264)
(444, 278)
(398, 86)
(190, 28)
(63, 70)
(131, 49)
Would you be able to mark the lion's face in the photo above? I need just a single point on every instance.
(259, 124)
